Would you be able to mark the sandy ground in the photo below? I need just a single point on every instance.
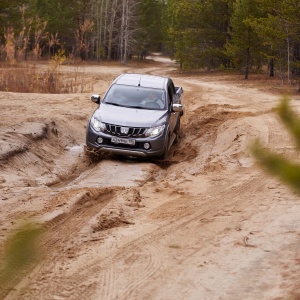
(207, 224)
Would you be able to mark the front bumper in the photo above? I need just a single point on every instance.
(138, 150)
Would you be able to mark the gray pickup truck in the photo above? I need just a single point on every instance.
(139, 116)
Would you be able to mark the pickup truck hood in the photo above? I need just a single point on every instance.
(131, 117)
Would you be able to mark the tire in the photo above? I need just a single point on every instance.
(93, 156)
(166, 149)
(177, 132)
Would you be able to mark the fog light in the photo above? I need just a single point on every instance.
(147, 146)
(99, 140)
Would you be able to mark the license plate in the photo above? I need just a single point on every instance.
(117, 140)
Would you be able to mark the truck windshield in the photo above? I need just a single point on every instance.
(136, 97)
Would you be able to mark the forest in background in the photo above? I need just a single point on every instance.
(247, 35)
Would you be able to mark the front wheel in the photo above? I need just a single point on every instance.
(166, 149)
(177, 132)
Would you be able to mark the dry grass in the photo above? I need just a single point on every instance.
(26, 78)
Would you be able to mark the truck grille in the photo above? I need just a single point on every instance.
(132, 131)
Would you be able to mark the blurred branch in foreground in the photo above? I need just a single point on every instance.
(277, 165)
(287, 171)
(290, 119)
(20, 253)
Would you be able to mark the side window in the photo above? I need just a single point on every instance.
(172, 87)
(170, 95)
(171, 91)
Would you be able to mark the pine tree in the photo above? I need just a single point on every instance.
(244, 46)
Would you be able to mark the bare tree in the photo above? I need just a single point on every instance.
(39, 36)
(10, 45)
(52, 41)
(127, 28)
(114, 30)
(22, 41)
(111, 27)
(99, 11)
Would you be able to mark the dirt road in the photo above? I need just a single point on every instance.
(208, 224)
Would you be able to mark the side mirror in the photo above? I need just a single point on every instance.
(178, 95)
(176, 107)
(176, 98)
(95, 98)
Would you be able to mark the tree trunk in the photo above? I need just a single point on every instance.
(271, 66)
(247, 63)
(122, 31)
(126, 32)
(106, 19)
(99, 30)
(111, 28)
(288, 59)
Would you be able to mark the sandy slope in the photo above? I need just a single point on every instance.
(208, 224)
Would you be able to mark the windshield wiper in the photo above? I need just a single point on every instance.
(128, 106)
(112, 103)
(141, 107)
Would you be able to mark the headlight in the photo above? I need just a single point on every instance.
(155, 131)
(97, 125)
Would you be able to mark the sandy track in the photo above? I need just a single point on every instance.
(207, 224)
